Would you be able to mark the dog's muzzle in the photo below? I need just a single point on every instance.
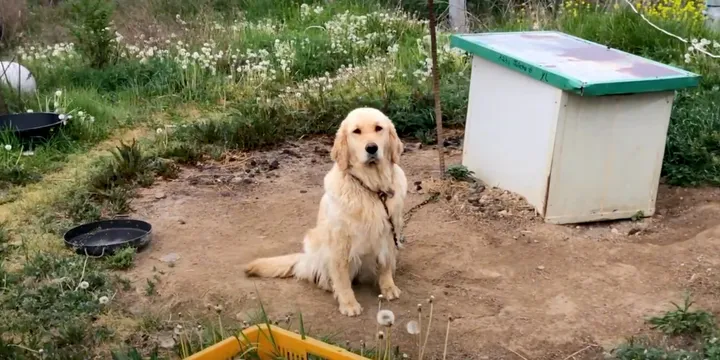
(371, 151)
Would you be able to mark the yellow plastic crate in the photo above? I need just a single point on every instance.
(288, 345)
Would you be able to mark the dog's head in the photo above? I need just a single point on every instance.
(366, 138)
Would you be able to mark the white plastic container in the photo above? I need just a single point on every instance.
(16, 76)
(576, 128)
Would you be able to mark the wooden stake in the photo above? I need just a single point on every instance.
(436, 90)
(3, 105)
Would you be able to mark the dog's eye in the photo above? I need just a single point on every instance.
(378, 128)
(357, 131)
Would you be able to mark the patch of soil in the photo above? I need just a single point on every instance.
(517, 287)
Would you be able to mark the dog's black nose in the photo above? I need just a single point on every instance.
(371, 148)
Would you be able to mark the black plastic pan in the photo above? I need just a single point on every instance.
(31, 125)
(104, 237)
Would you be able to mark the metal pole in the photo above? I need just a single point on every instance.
(458, 15)
(712, 13)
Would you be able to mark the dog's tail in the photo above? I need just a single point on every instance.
(279, 266)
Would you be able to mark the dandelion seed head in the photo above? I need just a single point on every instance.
(84, 285)
(104, 300)
(412, 327)
(385, 317)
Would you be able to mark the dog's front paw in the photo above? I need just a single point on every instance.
(391, 292)
(351, 308)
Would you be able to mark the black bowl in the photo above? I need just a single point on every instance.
(104, 237)
(31, 125)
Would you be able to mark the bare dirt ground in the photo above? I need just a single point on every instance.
(518, 287)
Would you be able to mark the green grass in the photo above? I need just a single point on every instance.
(697, 328)
(44, 306)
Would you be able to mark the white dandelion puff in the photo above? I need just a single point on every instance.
(104, 300)
(412, 327)
(385, 317)
(84, 285)
(8, 147)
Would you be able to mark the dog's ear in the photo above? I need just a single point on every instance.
(339, 152)
(396, 146)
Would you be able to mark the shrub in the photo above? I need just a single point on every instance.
(92, 21)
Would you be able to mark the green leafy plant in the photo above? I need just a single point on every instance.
(459, 172)
(683, 321)
(92, 29)
(122, 259)
(150, 287)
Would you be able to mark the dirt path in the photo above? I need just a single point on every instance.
(516, 284)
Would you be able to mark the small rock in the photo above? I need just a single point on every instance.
(247, 181)
(321, 151)
(634, 231)
(474, 200)
(170, 258)
(503, 213)
(181, 222)
(160, 195)
(166, 341)
(291, 153)
(58, 281)
(28, 281)
(237, 180)
(615, 231)
(253, 163)
(408, 148)
(541, 267)
(274, 165)
(303, 191)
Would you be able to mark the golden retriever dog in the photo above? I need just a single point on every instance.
(360, 217)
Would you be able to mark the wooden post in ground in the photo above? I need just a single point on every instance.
(3, 105)
(436, 90)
